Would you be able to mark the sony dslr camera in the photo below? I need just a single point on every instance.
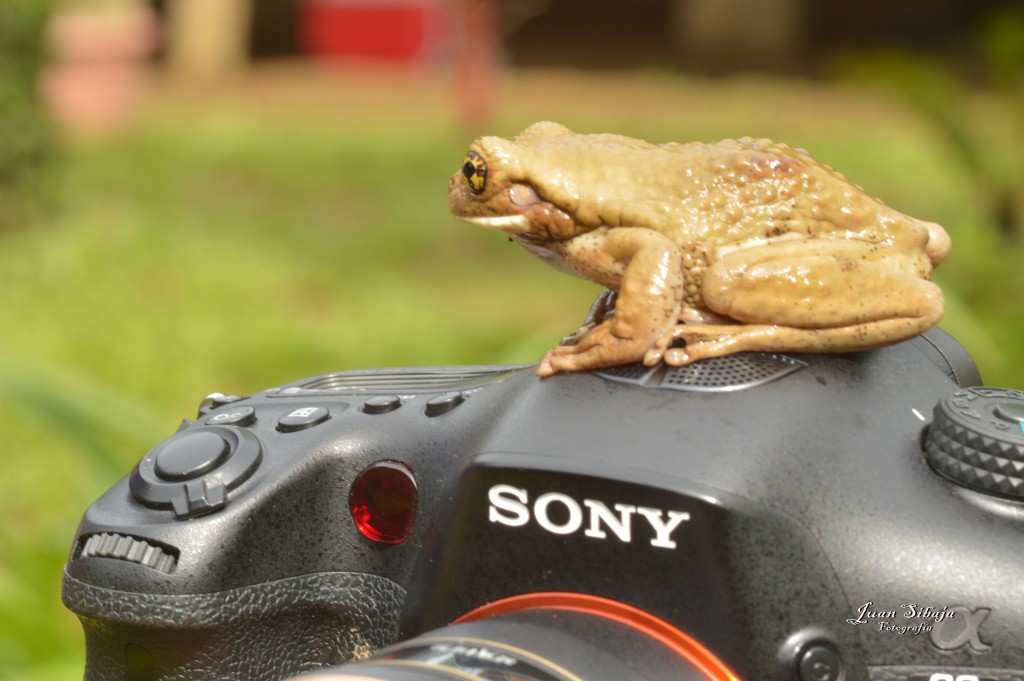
(763, 517)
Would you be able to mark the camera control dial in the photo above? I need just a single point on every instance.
(977, 440)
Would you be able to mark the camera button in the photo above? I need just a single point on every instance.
(820, 662)
(242, 416)
(193, 471)
(191, 455)
(1010, 411)
(382, 404)
(214, 400)
(443, 403)
(302, 418)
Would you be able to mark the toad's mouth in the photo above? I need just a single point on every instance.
(512, 224)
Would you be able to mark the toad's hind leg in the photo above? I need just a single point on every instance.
(714, 340)
(819, 303)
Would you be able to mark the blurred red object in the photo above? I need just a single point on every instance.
(95, 80)
(392, 30)
(476, 66)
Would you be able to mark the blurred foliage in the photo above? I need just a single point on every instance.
(228, 245)
(1000, 39)
(27, 141)
(977, 103)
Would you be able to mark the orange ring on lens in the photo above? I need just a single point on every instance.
(660, 630)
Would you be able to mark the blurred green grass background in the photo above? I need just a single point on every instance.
(295, 223)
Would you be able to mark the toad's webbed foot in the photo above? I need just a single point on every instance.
(596, 348)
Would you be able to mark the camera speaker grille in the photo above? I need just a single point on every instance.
(717, 374)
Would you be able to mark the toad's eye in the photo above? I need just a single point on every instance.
(474, 168)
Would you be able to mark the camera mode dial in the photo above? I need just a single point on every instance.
(193, 471)
(977, 440)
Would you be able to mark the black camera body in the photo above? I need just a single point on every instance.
(814, 517)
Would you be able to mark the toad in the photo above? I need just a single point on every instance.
(705, 249)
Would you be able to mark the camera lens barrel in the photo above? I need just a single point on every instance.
(541, 644)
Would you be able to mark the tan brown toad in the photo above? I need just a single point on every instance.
(737, 245)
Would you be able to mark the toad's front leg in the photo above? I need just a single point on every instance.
(602, 308)
(644, 267)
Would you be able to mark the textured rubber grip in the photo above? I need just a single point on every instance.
(261, 632)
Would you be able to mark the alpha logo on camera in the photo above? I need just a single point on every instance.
(559, 513)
